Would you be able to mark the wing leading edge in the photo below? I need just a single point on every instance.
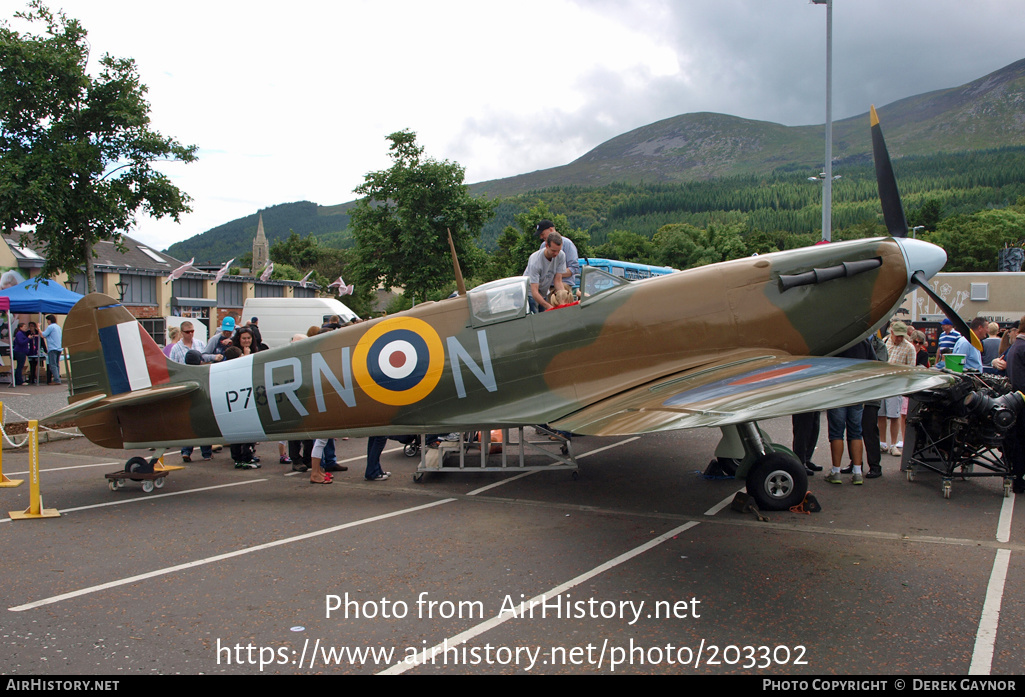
(750, 389)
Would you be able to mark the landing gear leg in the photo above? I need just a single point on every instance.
(776, 479)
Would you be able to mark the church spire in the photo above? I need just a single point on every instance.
(261, 250)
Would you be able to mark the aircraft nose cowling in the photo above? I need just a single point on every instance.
(922, 256)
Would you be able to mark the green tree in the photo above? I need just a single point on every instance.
(300, 252)
(973, 242)
(401, 225)
(684, 246)
(626, 246)
(77, 152)
(518, 242)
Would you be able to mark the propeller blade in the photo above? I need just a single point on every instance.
(889, 196)
(918, 278)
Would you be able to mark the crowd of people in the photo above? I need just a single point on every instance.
(35, 349)
(876, 428)
(232, 341)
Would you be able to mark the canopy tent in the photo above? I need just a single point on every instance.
(45, 297)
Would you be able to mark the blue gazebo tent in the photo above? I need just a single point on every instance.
(35, 296)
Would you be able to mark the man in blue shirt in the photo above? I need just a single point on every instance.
(52, 334)
(963, 346)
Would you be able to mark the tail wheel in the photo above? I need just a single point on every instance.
(777, 482)
(139, 464)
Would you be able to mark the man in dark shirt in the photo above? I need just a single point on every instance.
(1014, 444)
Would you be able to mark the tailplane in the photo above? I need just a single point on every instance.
(114, 364)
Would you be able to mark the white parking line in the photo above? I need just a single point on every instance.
(149, 497)
(985, 639)
(221, 557)
(69, 467)
(351, 459)
(487, 625)
(1004, 523)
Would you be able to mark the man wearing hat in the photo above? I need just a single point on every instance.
(948, 337)
(571, 277)
(899, 351)
(220, 342)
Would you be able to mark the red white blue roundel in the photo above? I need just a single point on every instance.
(399, 361)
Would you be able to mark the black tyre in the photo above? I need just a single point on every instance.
(139, 464)
(777, 482)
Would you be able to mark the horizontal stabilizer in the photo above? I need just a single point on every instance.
(101, 402)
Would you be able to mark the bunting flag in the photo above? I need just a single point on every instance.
(305, 278)
(342, 288)
(223, 270)
(177, 273)
(267, 272)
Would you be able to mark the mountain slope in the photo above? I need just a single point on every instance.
(984, 114)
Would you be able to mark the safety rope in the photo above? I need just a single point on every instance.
(8, 438)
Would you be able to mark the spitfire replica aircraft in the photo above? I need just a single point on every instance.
(722, 345)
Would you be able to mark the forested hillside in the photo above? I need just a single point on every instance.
(702, 169)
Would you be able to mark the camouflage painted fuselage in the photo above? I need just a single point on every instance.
(437, 368)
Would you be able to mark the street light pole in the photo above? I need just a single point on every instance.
(827, 184)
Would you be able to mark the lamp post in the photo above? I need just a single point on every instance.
(827, 177)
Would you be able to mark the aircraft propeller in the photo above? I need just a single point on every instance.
(893, 215)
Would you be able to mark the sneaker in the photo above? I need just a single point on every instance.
(900, 444)
(895, 451)
(247, 465)
(186, 458)
(874, 472)
(379, 478)
(284, 460)
(832, 478)
(884, 447)
(857, 478)
(299, 467)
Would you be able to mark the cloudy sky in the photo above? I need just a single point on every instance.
(292, 101)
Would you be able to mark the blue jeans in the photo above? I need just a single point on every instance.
(375, 446)
(206, 450)
(845, 418)
(329, 453)
(53, 362)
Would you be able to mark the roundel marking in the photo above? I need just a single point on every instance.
(399, 361)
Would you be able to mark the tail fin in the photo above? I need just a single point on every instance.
(110, 351)
(114, 364)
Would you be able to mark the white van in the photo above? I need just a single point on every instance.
(281, 318)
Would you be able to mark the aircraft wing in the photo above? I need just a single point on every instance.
(751, 389)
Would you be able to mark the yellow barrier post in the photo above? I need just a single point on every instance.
(5, 482)
(35, 508)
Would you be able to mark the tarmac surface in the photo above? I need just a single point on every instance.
(636, 566)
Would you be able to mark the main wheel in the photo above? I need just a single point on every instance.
(777, 482)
